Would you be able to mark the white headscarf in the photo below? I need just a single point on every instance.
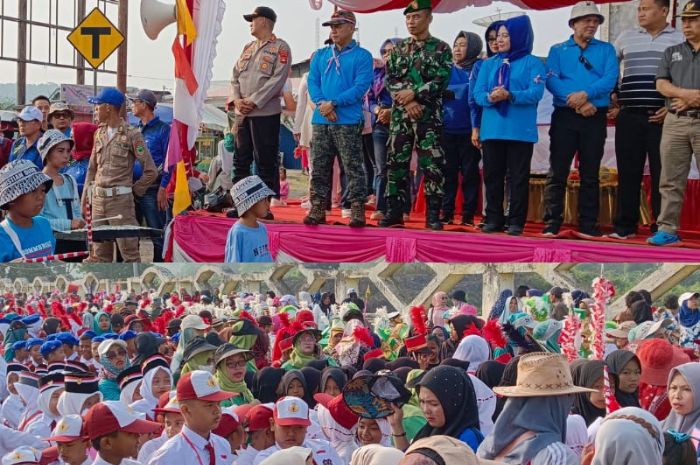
(576, 434)
(30, 397)
(473, 349)
(374, 454)
(148, 401)
(292, 456)
(635, 440)
(127, 394)
(385, 428)
(343, 440)
(486, 403)
(71, 403)
(45, 400)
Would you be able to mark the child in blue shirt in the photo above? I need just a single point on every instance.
(247, 240)
(23, 234)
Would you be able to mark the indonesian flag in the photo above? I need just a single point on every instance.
(194, 49)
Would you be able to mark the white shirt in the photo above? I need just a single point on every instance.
(323, 453)
(100, 461)
(151, 447)
(11, 439)
(11, 411)
(187, 448)
(247, 456)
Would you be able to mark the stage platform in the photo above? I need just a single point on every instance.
(200, 237)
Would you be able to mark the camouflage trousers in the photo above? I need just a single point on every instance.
(344, 140)
(424, 136)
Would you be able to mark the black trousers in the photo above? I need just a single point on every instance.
(635, 140)
(460, 157)
(571, 133)
(511, 158)
(258, 139)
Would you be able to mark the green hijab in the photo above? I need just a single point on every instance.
(96, 324)
(197, 362)
(228, 385)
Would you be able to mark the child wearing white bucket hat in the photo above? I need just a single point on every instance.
(247, 240)
(24, 234)
(62, 205)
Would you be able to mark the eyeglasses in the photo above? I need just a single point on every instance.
(239, 364)
(584, 61)
(491, 40)
(61, 115)
(113, 355)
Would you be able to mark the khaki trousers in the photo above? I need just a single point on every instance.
(679, 141)
(106, 207)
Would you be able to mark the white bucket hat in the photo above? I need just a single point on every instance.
(249, 191)
(583, 9)
(20, 177)
(49, 140)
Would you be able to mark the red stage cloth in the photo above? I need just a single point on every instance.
(201, 237)
(448, 6)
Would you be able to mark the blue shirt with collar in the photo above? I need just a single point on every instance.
(20, 151)
(156, 134)
(566, 73)
(341, 77)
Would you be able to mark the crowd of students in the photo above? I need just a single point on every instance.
(260, 379)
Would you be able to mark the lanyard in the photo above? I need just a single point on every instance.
(194, 449)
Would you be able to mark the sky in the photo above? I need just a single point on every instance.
(150, 63)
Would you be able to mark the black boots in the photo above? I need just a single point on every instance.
(432, 214)
(394, 213)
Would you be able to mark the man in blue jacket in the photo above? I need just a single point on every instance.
(153, 205)
(339, 77)
(582, 73)
(25, 147)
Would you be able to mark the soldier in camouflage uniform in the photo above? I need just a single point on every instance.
(418, 73)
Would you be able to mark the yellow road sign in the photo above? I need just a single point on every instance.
(96, 38)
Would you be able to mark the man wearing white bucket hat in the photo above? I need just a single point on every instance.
(582, 73)
(247, 240)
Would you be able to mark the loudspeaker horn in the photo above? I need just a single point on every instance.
(155, 16)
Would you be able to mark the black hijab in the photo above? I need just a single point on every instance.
(456, 394)
(374, 364)
(326, 309)
(313, 382)
(336, 374)
(287, 379)
(453, 362)
(402, 373)
(491, 373)
(402, 362)
(641, 311)
(585, 373)
(617, 361)
(265, 384)
(146, 345)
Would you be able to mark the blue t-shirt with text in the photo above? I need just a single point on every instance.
(36, 241)
(247, 245)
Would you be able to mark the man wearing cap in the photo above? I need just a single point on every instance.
(418, 72)
(258, 79)
(153, 205)
(109, 184)
(71, 441)
(199, 396)
(641, 111)
(25, 148)
(114, 431)
(259, 427)
(582, 73)
(339, 77)
(290, 421)
(677, 80)
(61, 117)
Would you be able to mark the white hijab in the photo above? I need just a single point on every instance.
(374, 454)
(576, 434)
(343, 440)
(127, 394)
(473, 349)
(622, 441)
(71, 403)
(148, 401)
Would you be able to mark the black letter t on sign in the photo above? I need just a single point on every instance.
(95, 32)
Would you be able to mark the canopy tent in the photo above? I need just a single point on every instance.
(212, 117)
(442, 6)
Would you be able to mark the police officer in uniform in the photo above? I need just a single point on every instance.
(418, 73)
(109, 184)
(258, 79)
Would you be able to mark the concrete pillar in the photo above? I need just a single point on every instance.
(490, 290)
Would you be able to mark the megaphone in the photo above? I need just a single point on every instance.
(155, 16)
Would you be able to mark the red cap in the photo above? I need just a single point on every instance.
(228, 424)
(200, 385)
(258, 418)
(241, 411)
(339, 409)
(111, 416)
(49, 455)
